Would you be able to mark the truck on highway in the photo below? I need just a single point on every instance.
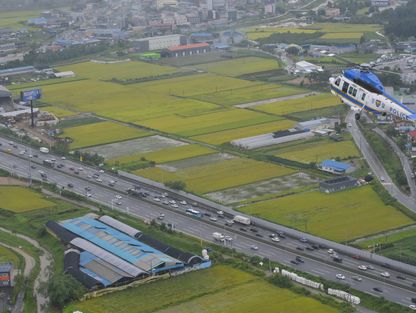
(242, 220)
(48, 163)
(218, 236)
(336, 258)
(44, 150)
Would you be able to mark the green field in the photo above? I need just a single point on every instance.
(319, 151)
(264, 32)
(389, 238)
(339, 216)
(8, 256)
(16, 19)
(166, 155)
(20, 199)
(120, 70)
(100, 133)
(219, 289)
(208, 123)
(249, 94)
(220, 137)
(298, 105)
(240, 66)
(59, 112)
(217, 175)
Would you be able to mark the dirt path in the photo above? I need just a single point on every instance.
(46, 261)
(256, 103)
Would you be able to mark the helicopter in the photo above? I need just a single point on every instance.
(361, 89)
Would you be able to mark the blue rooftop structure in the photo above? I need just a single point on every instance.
(334, 166)
(38, 21)
(121, 245)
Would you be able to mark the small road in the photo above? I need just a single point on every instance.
(376, 166)
(29, 265)
(256, 103)
(46, 261)
(403, 159)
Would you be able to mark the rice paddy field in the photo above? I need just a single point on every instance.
(220, 137)
(100, 133)
(319, 151)
(340, 216)
(213, 176)
(120, 70)
(166, 155)
(16, 19)
(218, 289)
(19, 199)
(60, 113)
(298, 105)
(240, 66)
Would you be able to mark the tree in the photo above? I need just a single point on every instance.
(176, 184)
(293, 50)
(63, 288)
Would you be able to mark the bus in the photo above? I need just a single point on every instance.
(193, 212)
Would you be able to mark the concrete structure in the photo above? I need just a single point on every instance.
(187, 50)
(5, 93)
(333, 167)
(380, 3)
(338, 184)
(332, 12)
(65, 74)
(318, 124)
(158, 43)
(166, 3)
(17, 71)
(306, 67)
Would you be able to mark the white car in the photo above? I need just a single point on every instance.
(118, 202)
(228, 238)
(330, 251)
(101, 171)
(161, 216)
(340, 276)
(175, 206)
(213, 218)
(220, 213)
(22, 152)
(156, 199)
(172, 201)
(99, 180)
(412, 307)
(362, 267)
(385, 274)
(118, 197)
(183, 202)
(253, 247)
(80, 169)
(166, 202)
(63, 158)
(275, 239)
(89, 195)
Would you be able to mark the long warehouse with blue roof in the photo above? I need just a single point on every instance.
(106, 252)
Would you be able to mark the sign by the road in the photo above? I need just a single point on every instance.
(29, 95)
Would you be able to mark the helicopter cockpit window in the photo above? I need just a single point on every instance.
(338, 81)
(345, 87)
(363, 96)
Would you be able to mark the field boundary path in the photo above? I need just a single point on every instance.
(267, 101)
(29, 265)
(376, 166)
(407, 168)
(46, 261)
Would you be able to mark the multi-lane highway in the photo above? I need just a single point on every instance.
(398, 288)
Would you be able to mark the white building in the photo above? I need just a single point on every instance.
(306, 67)
(166, 3)
(158, 42)
(380, 3)
(65, 74)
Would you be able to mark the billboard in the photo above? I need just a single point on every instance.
(28, 95)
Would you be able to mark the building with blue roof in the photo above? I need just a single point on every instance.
(121, 245)
(37, 21)
(334, 167)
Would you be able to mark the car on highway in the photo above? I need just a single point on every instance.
(275, 239)
(340, 276)
(63, 158)
(357, 278)
(183, 202)
(231, 223)
(299, 259)
(300, 248)
(99, 180)
(370, 267)
(281, 234)
(118, 202)
(254, 247)
(118, 197)
(385, 274)
(309, 248)
(172, 201)
(213, 218)
(377, 289)
(220, 213)
(76, 172)
(89, 195)
(161, 216)
(70, 185)
(259, 235)
(304, 240)
(174, 206)
(412, 307)
(357, 257)
(382, 178)
(401, 277)
(156, 199)
(87, 189)
(228, 238)
(101, 171)
(294, 262)
(254, 230)
(32, 167)
(362, 267)
(330, 251)
(243, 229)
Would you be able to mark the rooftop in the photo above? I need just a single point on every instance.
(335, 164)
(191, 46)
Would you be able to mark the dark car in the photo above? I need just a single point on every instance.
(315, 246)
(413, 300)
(243, 229)
(304, 240)
(70, 185)
(294, 262)
(299, 259)
(414, 284)
(357, 257)
(401, 277)
(309, 248)
(87, 189)
(259, 235)
(386, 265)
(207, 214)
(377, 289)
(300, 248)
(76, 172)
(254, 230)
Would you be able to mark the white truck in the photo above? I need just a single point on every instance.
(242, 220)
(218, 236)
(44, 150)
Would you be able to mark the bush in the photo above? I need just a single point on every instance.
(176, 184)
(63, 289)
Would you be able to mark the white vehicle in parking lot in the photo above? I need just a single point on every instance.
(385, 274)
(362, 267)
(340, 276)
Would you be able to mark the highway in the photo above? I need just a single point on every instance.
(376, 166)
(317, 261)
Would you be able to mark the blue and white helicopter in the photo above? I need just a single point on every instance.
(361, 89)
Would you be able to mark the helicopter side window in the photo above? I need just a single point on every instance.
(338, 81)
(350, 90)
(363, 96)
(354, 92)
(345, 87)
